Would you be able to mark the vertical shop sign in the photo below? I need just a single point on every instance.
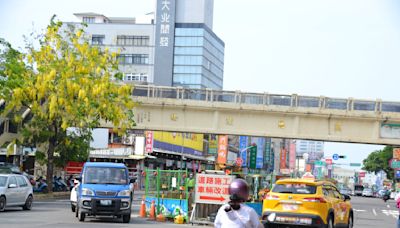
(253, 157)
(222, 149)
(243, 150)
(164, 45)
(292, 155)
(149, 142)
(283, 159)
(212, 144)
(267, 155)
(260, 152)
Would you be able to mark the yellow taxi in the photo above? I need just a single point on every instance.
(306, 202)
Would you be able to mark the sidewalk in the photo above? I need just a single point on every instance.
(53, 195)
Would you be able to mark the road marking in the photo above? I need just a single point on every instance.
(356, 210)
(373, 210)
(393, 213)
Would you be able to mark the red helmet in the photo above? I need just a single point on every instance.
(239, 190)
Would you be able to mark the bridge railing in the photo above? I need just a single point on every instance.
(239, 97)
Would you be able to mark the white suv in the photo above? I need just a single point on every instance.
(15, 190)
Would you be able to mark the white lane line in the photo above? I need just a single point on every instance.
(357, 210)
(373, 210)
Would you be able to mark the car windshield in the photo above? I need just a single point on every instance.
(105, 175)
(3, 181)
(295, 188)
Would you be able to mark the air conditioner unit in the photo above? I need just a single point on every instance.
(128, 140)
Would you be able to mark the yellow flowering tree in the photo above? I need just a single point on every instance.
(64, 82)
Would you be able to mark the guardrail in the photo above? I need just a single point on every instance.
(238, 97)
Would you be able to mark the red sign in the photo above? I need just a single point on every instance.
(283, 159)
(361, 174)
(149, 142)
(292, 156)
(222, 149)
(328, 161)
(74, 167)
(239, 161)
(212, 189)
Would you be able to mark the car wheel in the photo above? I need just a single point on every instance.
(73, 208)
(28, 203)
(126, 218)
(350, 222)
(330, 222)
(2, 203)
(81, 216)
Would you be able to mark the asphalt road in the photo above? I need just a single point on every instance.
(57, 213)
(369, 212)
(373, 212)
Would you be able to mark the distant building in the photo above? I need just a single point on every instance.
(176, 46)
(315, 149)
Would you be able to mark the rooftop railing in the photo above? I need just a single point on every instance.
(238, 97)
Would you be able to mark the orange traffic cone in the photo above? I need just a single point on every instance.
(160, 218)
(142, 212)
(152, 211)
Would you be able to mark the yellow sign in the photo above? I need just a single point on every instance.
(189, 140)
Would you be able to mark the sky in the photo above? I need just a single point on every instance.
(335, 48)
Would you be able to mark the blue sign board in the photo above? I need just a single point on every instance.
(242, 149)
(335, 157)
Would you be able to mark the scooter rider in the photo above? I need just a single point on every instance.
(235, 214)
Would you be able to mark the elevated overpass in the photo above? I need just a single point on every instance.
(258, 114)
(270, 115)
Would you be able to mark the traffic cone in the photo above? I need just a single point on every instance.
(160, 218)
(152, 211)
(142, 212)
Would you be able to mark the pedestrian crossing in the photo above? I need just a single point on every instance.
(378, 212)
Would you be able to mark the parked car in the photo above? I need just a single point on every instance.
(306, 203)
(345, 191)
(367, 192)
(15, 190)
(104, 190)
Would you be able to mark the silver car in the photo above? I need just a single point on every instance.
(15, 190)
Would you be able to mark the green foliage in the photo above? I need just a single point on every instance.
(379, 161)
(65, 82)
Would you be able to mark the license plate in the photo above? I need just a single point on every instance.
(290, 207)
(105, 202)
(294, 220)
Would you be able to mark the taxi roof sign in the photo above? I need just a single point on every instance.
(308, 175)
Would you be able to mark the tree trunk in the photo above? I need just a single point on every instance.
(50, 162)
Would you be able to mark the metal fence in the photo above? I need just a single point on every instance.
(237, 97)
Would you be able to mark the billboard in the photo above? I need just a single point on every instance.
(172, 141)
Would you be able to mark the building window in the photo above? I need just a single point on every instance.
(88, 20)
(133, 59)
(142, 77)
(133, 40)
(98, 39)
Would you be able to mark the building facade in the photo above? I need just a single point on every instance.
(175, 46)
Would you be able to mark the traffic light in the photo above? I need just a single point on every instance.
(342, 156)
